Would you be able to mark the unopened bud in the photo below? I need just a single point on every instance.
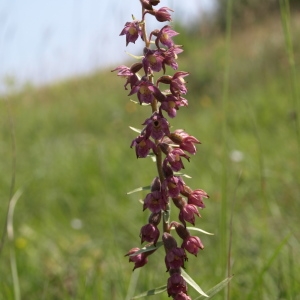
(169, 241)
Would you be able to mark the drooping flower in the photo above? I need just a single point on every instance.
(172, 104)
(146, 91)
(149, 233)
(174, 159)
(187, 213)
(154, 202)
(129, 74)
(143, 145)
(173, 184)
(175, 258)
(192, 244)
(132, 31)
(177, 84)
(184, 140)
(139, 260)
(176, 284)
(195, 196)
(163, 14)
(164, 36)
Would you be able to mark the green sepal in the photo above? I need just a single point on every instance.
(217, 288)
(148, 248)
(192, 283)
(152, 292)
(142, 188)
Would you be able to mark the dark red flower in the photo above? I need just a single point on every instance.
(187, 213)
(149, 233)
(175, 258)
(184, 140)
(192, 244)
(139, 260)
(162, 14)
(176, 284)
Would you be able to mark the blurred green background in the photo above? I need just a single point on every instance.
(74, 222)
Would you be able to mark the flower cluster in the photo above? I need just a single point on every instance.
(165, 95)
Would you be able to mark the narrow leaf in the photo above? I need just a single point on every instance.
(182, 174)
(192, 283)
(142, 188)
(135, 129)
(136, 102)
(134, 56)
(200, 230)
(152, 292)
(217, 288)
(148, 248)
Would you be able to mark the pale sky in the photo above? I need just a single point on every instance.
(46, 40)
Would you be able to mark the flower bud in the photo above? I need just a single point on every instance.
(169, 241)
(165, 148)
(154, 218)
(155, 185)
(136, 67)
(182, 232)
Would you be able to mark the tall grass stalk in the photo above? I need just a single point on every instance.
(294, 95)
(13, 174)
(223, 216)
(12, 254)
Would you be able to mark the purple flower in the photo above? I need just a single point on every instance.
(162, 14)
(149, 233)
(172, 104)
(164, 36)
(177, 85)
(192, 244)
(184, 140)
(176, 284)
(146, 91)
(152, 61)
(142, 146)
(154, 202)
(139, 260)
(174, 159)
(196, 198)
(175, 258)
(187, 213)
(127, 72)
(157, 126)
(132, 31)
(170, 56)
(174, 184)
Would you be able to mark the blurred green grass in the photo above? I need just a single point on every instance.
(74, 166)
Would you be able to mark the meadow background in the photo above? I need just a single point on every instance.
(73, 221)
